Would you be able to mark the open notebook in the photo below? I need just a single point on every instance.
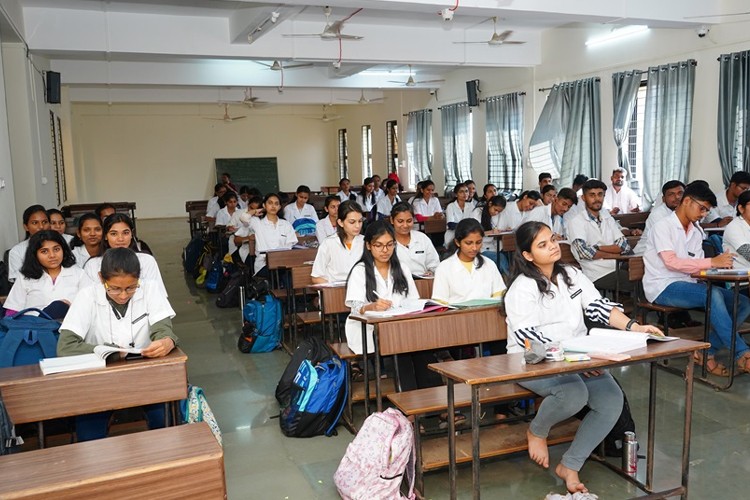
(611, 341)
(409, 306)
(97, 359)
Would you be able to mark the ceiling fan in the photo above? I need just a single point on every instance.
(250, 101)
(326, 117)
(411, 82)
(497, 39)
(332, 30)
(364, 100)
(226, 118)
(277, 65)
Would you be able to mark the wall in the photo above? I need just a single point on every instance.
(8, 230)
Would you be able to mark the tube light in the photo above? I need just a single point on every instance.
(617, 34)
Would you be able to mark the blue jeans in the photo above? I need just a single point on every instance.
(96, 425)
(693, 295)
(500, 260)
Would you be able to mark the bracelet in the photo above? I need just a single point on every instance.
(630, 324)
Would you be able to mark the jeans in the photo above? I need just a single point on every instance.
(96, 425)
(566, 395)
(693, 295)
(500, 260)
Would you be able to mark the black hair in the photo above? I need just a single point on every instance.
(110, 221)
(421, 187)
(302, 189)
(31, 267)
(525, 236)
(531, 193)
(329, 199)
(255, 199)
(495, 201)
(740, 177)
(345, 209)
(228, 196)
(227, 174)
(77, 241)
(458, 186)
(218, 186)
(31, 211)
(463, 229)
(253, 191)
(549, 187)
(402, 206)
(245, 190)
(701, 192)
(54, 211)
(671, 185)
(373, 197)
(698, 182)
(474, 197)
(743, 200)
(389, 183)
(621, 170)
(544, 175)
(342, 180)
(102, 207)
(580, 180)
(593, 184)
(400, 284)
(568, 194)
(486, 187)
(265, 199)
(119, 262)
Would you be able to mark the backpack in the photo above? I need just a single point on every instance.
(377, 459)
(625, 423)
(312, 349)
(191, 256)
(9, 442)
(25, 339)
(230, 295)
(195, 409)
(318, 398)
(265, 314)
(213, 277)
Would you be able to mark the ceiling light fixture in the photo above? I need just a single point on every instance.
(617, 34)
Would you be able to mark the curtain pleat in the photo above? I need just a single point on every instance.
(504, 117)
(455, 120)
(733, 124)
(419, 144)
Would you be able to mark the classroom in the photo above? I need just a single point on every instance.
(135, 101)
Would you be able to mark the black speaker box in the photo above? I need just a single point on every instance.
(472, 90)
(53, 87)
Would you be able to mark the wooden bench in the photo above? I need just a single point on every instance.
(196, 211)
(636, 220)
(171, 463)
(78, 209)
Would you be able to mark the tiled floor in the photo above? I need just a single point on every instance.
(262, 463)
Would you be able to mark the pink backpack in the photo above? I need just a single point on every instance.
(377, 459)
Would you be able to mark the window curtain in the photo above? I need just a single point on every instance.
(504, 116)
(734, 106)
(567, 138)
(667, 126)
(456, 124)
(419, 144)
(625, 87)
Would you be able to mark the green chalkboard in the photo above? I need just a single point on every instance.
(261, 173)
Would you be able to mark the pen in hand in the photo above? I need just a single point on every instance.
(382, 302)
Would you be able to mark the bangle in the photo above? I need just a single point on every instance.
(630, 324)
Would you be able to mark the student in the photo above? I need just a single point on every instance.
(737, 232)
(414, 248)
(671, 194)
(621, 199)
(488, 191)
(726, 199)
(124, 311)
(34, 220)
(426, 204)
(378, 187)
(88, 241)
(472, 186)
(489, 217)
(457, 210)
(674, 251)
(300, 214)
(386, 203)
(345, 193)
(467, 275)
(271, 232)
(49, 278)
(253, 203)
(549, 193)
(515, 213)
(327, 225)
(117, 232)
(340, 251)
(367, 198)
(577, 186)
(213, 207)
(545, 179)
(226, 180)
(104, 210)
(57, 223)
(239, 247)
(244, 198)
(224, 215)
(547, 302)
(554, 214)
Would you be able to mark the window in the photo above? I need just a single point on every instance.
(635, 139)
(366, 151)
(343, 155)
(457, 143)
(391, 145)
(504, 131)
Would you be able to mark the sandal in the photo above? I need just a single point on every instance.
(357, 374)
(714, 367)
(458, 419)
(743, 363)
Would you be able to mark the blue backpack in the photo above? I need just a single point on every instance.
(266, 315)
(319, 396)
(25, 338)
(213, 278)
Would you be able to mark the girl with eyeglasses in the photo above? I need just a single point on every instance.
(123, 311)
(34, 220)
(339, 252)
(88, 240)
(57, 223)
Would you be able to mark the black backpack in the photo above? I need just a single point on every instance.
(312, 349)
(230, 295)
(613, 442)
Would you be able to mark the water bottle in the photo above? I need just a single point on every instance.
(630, 454)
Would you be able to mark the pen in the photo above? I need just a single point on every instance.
(378, 295)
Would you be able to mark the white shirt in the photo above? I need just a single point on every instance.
(366, 204)
(270, 236)
(40, 293)
(68, 238)
(426, 208)
(385, 205)
(626, 200)
(82, 256)
(454, 214)
(292, 212)
(582, 227)
(91, 316)
(556, 317)
(490, 243)
(16, 257)
(356, 293)
(420, 256)
(455, 284)
(244, 249)
(511, 217)
(544, 214)
(656, 214)
(379, 193)
(668, 234)
(223, 218)
(346, 197)
(736, 235)
(723, 207)
(334, 261)
(212, 207)
(149, 270)
(324, 229)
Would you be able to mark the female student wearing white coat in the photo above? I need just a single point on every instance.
(339, 252)
(271, 232)
(88, 241)
(34, 220)
(414, 248)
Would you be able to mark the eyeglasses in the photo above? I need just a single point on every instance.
(704, 209)
(381, 246)
(114, 291)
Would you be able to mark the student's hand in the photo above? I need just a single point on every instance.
(438, 215)
(592, 373)
(723, 222)
(647, 329)
(635, 232)
(614, 210)
(231, 229)
(158, 348)
(636, 210)
(380, 305)
(722, 261)
(557, 237)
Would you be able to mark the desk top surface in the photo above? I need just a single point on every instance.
(370, 320)
(508, 367)
(724, 278)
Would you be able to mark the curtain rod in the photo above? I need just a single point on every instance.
(545, 89)
(430, 110)
(519, 93)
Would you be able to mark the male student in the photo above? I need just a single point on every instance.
(226, 179)
(515, 212)
(552, 214)
(673, 253)
(671, 195)
(621, 199)
(544, 179)
(578, 182)
(596, 239)
(726, 200)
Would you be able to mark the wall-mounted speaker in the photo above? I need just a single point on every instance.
(53, 87)
(472, 91)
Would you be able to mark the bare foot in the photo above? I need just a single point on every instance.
(570, 476)
(538, 449)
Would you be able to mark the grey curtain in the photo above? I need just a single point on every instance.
(667, 126)
(567, 138)
(504, 116)
(624, 91)
(419, 144)
(734, 106)
(456, 124)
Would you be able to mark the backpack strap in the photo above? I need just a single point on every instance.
(331, 429)
(47, 341)
(23, 312)
(8, 347)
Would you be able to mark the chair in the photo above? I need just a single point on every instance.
(300, 281)
(642, 306)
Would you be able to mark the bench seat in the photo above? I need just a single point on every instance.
(435, 399)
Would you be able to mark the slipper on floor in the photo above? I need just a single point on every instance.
(458, 418)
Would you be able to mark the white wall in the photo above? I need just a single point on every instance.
(8, 231)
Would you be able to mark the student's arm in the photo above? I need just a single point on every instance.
(432, 259)
(15, 262)
(692, 265)
(16, 300)
(163, 339)
(70, 344)
(320, 265)
(617, 319)
(522, 316)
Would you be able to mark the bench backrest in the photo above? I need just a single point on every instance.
(435, 226)
(424, 287)
(301, 277)
(290, 258)
(566, 255)
(332, 300)
(636, 268)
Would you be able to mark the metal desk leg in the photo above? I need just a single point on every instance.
(651, 426)
(378, 395)
(474, 439)
(688, 424)
(732, 343)
(365, 369)
(451, 440)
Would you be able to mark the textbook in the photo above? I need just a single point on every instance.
(725, 272)
(611, 341)
(96, 359)
(479, 303)
(409, 306)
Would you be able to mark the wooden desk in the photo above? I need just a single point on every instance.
(507, 368)
(424, 287)
(636, 220)
(286, 259)
(332, 303)
(172, 463)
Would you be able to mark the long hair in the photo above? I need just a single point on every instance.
(345, 208)
(110, 221)
(31, 267)
(29, 212)
(495, 201)
(463, 229)
(420, 189)
(265, 199)
(365, 182)
(400, 284)
(525, 236)
(77, 241)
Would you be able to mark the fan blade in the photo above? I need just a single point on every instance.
(511, 42)
(468, 43)
(718, 15)
(429, 81)
(304, 35)
(301, 65)
(234, 118)
(394, 81)
(505, 34)
(349, 37)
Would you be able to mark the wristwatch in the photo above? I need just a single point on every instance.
(632, 322)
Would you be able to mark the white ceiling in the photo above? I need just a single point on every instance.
(198, 50)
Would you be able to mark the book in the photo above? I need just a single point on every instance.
(725, 272)
(97, 359)
(604, 340)
(409, 306)
(478, 303)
